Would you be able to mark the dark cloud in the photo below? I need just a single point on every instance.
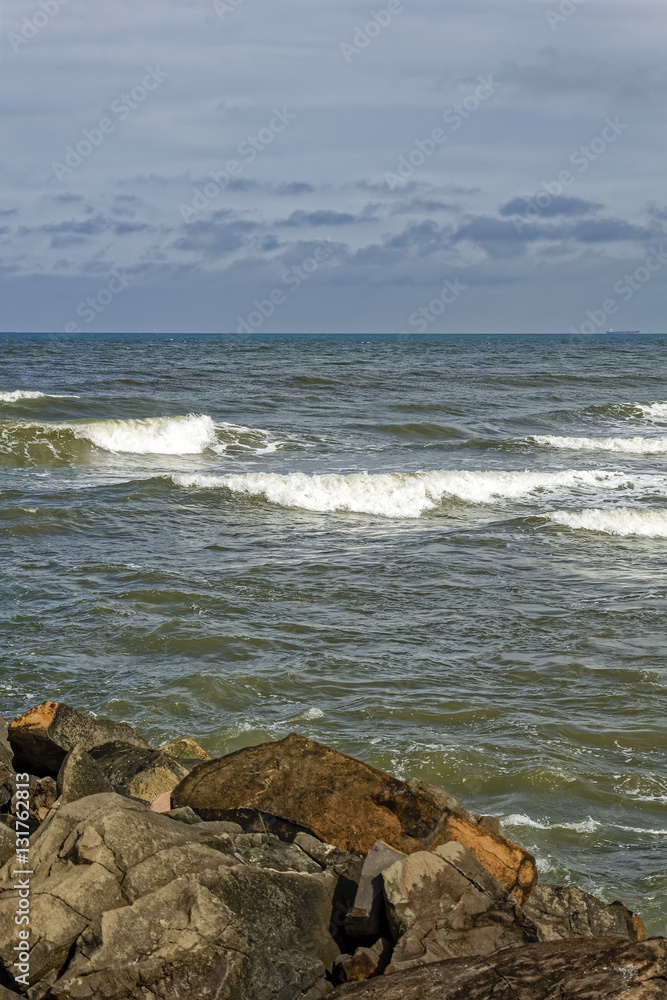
(557, 206)
(294, 188)
(321, 217)
(215, 238)
(66, 197)
(5, 213)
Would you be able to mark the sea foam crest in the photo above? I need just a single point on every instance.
(653, 411)
(619, 521)
(391, 494)
(18, 394)
(189, 435)
(620, 445)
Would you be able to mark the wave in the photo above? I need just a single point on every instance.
(620, 445)
(653, 411)
(393, 494)
(620, 521)
(588, 825)
(19, 394)
(193, 434)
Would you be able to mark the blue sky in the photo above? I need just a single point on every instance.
(450, 166)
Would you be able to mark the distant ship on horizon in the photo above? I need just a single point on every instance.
(618, 333)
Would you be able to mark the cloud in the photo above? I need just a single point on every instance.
(321, 217)
(295, 188)
(557, 206)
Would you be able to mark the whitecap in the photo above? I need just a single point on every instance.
(619, 445)
(18, 394)
(188, 435)
(618, 521)
(392, 494)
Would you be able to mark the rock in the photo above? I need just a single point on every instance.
(43, 794)
(365, 916)
(42, 736)
(143, 774)
(588, 969)
(365, 962)
(297, 785)
(162, 803)
(80, 776)
(7, 843)
(184, 815)
(444, 904)
(6, 767)
(566, 912)
(129, 904)
(185, 749)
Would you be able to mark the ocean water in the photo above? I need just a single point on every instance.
(444, 555)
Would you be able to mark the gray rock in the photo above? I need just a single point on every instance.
(567, 912)
(80, 776)
(365, 962)
(42, 736)
(129, 904)
(6, 767)
(184, 815)
(143, 774)
(43, 794)
(365, 917)
(444, 904)
(589, 969)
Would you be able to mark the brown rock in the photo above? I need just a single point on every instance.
(444, 904)
(185, 749)
(42, 736)
(588, 969)
(562, 912)
(365, 962)
(300, 784)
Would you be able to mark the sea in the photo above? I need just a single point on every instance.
(445, 555)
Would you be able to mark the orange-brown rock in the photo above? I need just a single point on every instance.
(41, 738)
(303, 784)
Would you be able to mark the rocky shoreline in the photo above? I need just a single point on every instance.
(285, 871)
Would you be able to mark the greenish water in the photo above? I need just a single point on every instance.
(446, 556)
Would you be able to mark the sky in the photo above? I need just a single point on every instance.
(333, 166)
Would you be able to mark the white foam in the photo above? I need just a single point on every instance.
(19, 394)
(653, 411)
(619, 521)
(188, 435)
(588, 825)
(620, 445)
(393, 494)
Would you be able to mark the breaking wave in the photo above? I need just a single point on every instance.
(621, 521)
(620, 445)
(393, 494)
(588, 825)
(18, 394)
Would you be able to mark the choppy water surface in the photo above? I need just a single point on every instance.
(446, 556)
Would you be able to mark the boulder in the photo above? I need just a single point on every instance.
(561, 912)
(6, 767)
(43, 794)
(80, 776)
(296, 784)
(365, 962)
(185, 749)
(7, 843)
(365, 917)
(131, 770)
(41, 737)
(128, 903)
(444, 904)
(589, 969)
